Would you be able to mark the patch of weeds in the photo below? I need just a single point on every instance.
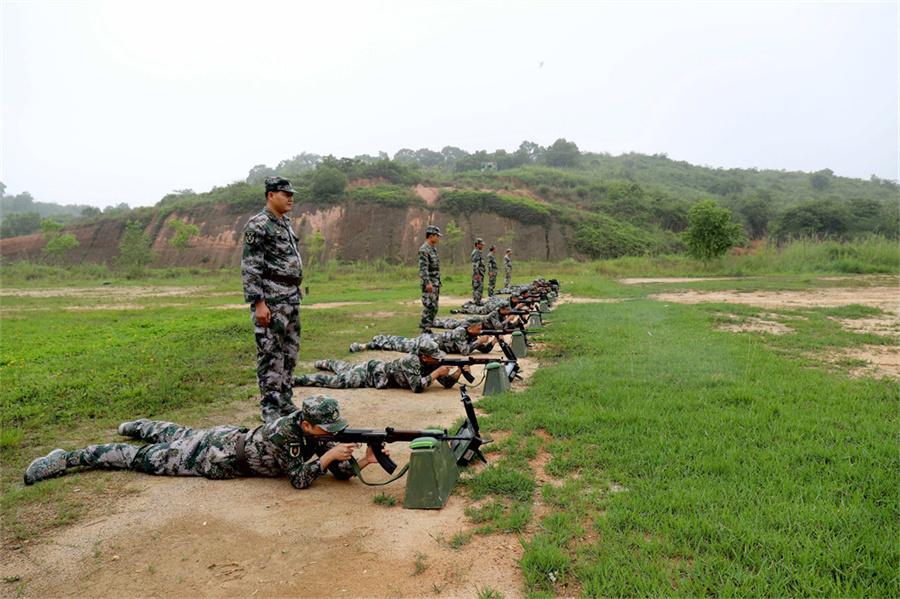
(560, 528)
(499, 480)
(11, 579)
(543, 563)
(852, 311)
(384, 499)
(498, 517)
(487, 593)
(420, 564)
(459, 539)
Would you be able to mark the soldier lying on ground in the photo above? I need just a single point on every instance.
(414, 371)
(498, 319)
(463, 339)
(283, 446)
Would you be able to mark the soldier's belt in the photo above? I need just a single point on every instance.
(283, 279)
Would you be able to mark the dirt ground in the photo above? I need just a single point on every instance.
(179, 537)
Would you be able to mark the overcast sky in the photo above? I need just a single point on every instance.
(105, 102)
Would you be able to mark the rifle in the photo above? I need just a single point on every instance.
(511, 365)
(467, 435)
(498, 333)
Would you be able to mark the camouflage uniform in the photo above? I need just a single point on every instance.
(272, 271)
(273, 449)
(456, 341)
(429, 272)
(477, 275)
(404, 373)
(487, 307)
(492, 273)
(507, 271)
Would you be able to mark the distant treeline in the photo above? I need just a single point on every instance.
(632, 204)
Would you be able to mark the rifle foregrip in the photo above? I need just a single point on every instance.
(384, 460)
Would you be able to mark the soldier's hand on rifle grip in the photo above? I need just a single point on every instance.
(370, 456)
(429, 288)
(263, 315)
(339, 453)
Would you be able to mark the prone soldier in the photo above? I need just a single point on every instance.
(415, 371)
(286, 445)
(463, 339)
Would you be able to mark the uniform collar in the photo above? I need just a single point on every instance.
(275, 217)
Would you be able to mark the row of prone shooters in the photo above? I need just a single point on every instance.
(315, 438)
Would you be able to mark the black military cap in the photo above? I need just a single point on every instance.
(279, 184)
(433, 230)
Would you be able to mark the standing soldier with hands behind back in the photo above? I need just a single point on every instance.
(492, 270)
(507, 268)
(478, 271)
(430, 273)
(272, 270)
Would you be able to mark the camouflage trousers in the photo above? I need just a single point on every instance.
(277, 347)
(392, 343)
(429, 307)
(475, 308)
(477, 290)
(347, 375)
(492, 283)
(449, 323)
(507, 277)
(174, 450)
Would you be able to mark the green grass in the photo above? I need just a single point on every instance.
(686, 460)
(384, 499)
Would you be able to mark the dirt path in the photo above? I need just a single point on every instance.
(194, 537)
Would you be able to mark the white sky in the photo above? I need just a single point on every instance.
(105, 102)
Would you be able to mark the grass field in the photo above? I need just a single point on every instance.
(682, 459)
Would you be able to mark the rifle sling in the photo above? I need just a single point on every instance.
(359, 475)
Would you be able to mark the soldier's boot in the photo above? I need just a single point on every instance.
(301, 381)
(357, 347)
(321, 365)
(425, 330)
(50, 466)
(131, 428)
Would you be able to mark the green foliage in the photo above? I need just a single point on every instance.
(524, 210)
(820, 180)
(821, 219)
(58, 245)
(315, 245)
(134, 249)
(543, 563)
(711, 231)
(23, 223)
(391, 196)
(328, 183)
(384, 499)
(450, 237)
(562, 153)
(603, 237)
(184, 231)
(24, 203)
(503, 482)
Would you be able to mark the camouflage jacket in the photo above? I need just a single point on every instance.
(492, 265)
(492, 303)
(270, 248)
(494, 320)
(429, 266)
(456, 341)
(507, 264)
(405, 373)
(280, 447)
(477, 262)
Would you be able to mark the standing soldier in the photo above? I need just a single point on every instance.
(272, 271)
(492, 271)
(478, 271)
(430, 273)
(507, 268)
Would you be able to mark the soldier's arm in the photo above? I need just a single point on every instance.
(253, 262)
(423, 267)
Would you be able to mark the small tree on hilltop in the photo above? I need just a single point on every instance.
(134, 250)
(710, 232)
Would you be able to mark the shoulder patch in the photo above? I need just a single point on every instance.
(250, 237)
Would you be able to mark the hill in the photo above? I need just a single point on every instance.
(545, 202)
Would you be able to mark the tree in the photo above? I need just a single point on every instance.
(184, 231)
(90, 212)
(57, 244)
(259, 173)
(452, 236)
(820, 180)
(405, 156)
(134, 249)
(328, 182)
(757, 212)
(710, 232)
(825, 218)
(17, 224)
(314, 247)
(562, 153)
